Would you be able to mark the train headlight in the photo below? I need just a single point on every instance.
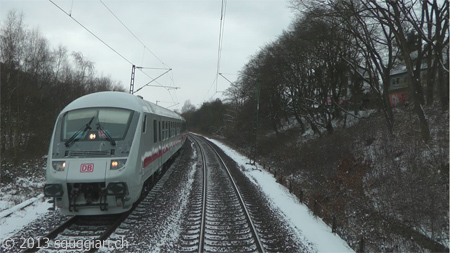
(59, 165)
(118, 164)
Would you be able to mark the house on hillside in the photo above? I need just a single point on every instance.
(399, 91)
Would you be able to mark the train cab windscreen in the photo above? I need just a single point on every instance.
(96, 124)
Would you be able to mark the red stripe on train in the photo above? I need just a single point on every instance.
(148, 160)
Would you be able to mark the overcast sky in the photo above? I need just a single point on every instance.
(184, 36)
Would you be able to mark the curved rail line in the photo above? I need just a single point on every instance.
(92, 228)
(204, 190)
(98, 230)
(209, 210)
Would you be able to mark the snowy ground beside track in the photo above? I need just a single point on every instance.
(311, 230)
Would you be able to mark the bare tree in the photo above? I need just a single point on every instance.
(36, 83)
(11, 54)
(400, 15)
(60, 60)
(187, 107)
(378, 54)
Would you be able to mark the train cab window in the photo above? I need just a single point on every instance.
(113, 121)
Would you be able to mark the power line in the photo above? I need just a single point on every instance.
(141, 68)
(115, 51)
(70, 15)
(221, 31)
(145, 47)
(219, 50)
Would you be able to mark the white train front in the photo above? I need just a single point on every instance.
(105, 149)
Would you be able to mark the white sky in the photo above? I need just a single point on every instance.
(183, 34)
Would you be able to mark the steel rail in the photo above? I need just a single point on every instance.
(254, 232)
(21, 206)
(203, 215)
(39, 243)
(241, 200)
(112, 228)
(104, 236)
(52, 235)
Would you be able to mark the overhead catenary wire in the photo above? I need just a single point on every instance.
(145, 48)
(168, 69)
(126, 27)
(93, 34)
(221, 32)
(220, 46)
(119, 54)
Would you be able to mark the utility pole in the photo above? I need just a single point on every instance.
(133, 71)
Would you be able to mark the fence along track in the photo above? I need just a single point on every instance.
(225, 212)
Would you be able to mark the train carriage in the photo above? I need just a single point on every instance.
(104, 150)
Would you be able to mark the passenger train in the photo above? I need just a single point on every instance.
(105, 149)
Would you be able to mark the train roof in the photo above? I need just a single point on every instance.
(119, 100)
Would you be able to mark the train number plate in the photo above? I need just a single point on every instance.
(87, 168)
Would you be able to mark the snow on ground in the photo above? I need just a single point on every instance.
(170, 234)
(20, 218)
(314, 230)
(308, 227)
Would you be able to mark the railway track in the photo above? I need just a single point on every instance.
(89, 233)
(219, 220)
(194, 207)
(21, 206)
(85, 233)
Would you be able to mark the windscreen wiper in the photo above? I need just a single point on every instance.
(81, 131)
(107, 136)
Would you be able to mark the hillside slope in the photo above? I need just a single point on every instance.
(391, 191)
